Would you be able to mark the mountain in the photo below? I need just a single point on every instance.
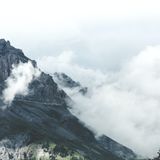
(39, 125)
(64, 81)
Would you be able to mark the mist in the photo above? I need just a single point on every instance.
(17, 83)
(123, 105)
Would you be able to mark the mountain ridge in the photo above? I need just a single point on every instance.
(42, 116)
(64, 81)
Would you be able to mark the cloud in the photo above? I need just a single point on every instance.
(17, 84)
(128, 25)
(124, 105)
(65, 62)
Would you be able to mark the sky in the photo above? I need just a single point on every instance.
(102, 33)
(110, 46)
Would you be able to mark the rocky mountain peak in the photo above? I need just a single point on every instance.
(4, 43)
(5, 47)
(10, 55)
(41, 116)
(65, 80)
(43, 89)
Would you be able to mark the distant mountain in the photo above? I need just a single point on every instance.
(40, 125)
(64, 81)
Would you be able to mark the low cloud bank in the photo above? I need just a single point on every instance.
(17, 84)
(65, 63)
(124, 105)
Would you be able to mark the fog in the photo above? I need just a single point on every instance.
(17, 83)
(124, 105)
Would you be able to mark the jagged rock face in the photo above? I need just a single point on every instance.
(9, 56)
(42, 114)
(43, 89)
(64, 81)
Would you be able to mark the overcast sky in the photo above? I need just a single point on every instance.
(102, 33)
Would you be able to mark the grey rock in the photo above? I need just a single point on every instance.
(9, 56)
(42, 114)
(64, 81)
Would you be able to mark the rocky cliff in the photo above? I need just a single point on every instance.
(39, 125)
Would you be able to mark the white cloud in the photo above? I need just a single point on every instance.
(100, 29)
(65, 63)
(124, 105)
(17, 84)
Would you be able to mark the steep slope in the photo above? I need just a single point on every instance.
(116, 148)
(40, 125)
(64, 81)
